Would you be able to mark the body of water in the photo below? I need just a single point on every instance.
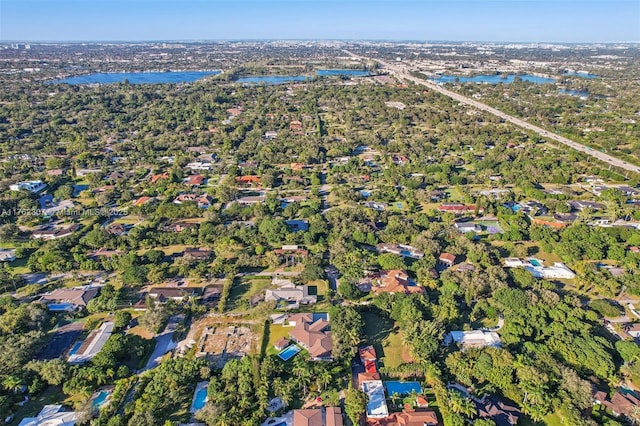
(138, 77)
(273, 79)
(350, 73)
(100, 399)
(493, 79)
(200, 399)
(579, 93)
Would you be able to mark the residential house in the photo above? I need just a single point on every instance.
(290, 296)
(473, 339)
(197, 254)
(281, 344)
(92, 345)
(632, 330)
(194, 180)
(7, 255)
(178, 226)
(465, 227)
(30, 185)
(314, 336)
(159, 177)
(367, 353)
(375, 205)
(51, 415)
(457, 208)
(623, 402)
(49, 233)
(251, 199)
(115, 176)
(416, 417)
(446, 260)
(69, 299)
(494, 408)
(116, 229)
(248, 180)
(395, 281)
(295, 126)
(142, 201)
(291, 254)
(202, 201)
(558, 271)
(326, 416)
(270, 134)
(377, 404)
(401, 250)
(162, 294)
(580, 205)
(55, 172)
(199, 165)
(85, 172)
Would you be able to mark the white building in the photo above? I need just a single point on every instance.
(93, 344)
(558, 270)
(474, 339)
(8, 255)
(199, 165)
(377, 405)
(51, 415)
(29, 185)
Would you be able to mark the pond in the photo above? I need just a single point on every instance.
(138, 77)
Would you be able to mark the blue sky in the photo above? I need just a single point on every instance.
(475, 20)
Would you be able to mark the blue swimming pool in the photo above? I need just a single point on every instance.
(402, 388)
(535, 262)
(75, 348)
(200, 399)
(289, 352)
(100, 399)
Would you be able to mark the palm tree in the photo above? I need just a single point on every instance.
(12, 383)
(324, 378)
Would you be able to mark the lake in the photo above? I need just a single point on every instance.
(350, 73)
(273, 79)
(283, 79)
(138, 77)
(493, 79)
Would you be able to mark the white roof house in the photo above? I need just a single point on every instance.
(474, 339)
(7, 255)
(558, 270)
(199, 165)
(93, 344)
(51, 415)
(29, 185)
(377, 405)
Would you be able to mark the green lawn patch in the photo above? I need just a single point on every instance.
(384, 336)
(276, 332)
(51, 395)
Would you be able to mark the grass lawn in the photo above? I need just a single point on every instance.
(51, 395)
(276, 332)
(19, 266)
(387, 341)
(244, 289)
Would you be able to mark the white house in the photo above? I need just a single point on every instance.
(199, 165)
(51, 415)
(558, 270)
(8, 255)
(29, 185)
(474, 339)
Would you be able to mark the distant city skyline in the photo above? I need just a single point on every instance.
(572, 21)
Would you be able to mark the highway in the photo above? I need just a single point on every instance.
(401, 72)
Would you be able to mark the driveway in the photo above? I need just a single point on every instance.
(164, 343)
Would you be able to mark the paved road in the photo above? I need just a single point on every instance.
(401, 72)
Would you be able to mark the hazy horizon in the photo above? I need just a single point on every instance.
(495, 21)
